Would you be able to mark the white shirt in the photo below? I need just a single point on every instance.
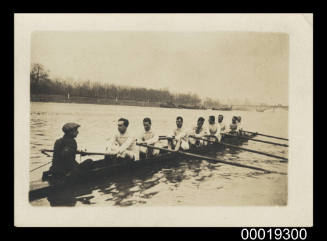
(239, 125)
(222, 126)
(201, 132)
(149, 137)
(180, 133)
(125, 141)
(214, 129)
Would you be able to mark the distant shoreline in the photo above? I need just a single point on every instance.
(102, 101)
(89, 100)
(108, 101)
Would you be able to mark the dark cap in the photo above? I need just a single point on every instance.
(69, 127)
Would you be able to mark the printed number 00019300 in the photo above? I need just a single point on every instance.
(274, 234)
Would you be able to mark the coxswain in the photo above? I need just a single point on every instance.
(64, 154)
(198, 131)
(213, 129)
(179, 139)
(148, 137)
(122, 143)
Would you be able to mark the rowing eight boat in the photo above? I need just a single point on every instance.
(104, 167)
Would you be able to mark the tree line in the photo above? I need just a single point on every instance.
(41, 83)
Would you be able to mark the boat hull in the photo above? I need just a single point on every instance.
(102, 168)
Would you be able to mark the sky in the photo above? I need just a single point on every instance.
(221, 65)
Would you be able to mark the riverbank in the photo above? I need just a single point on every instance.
(105, 101)
(89, 100)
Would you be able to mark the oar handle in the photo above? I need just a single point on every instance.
(166, 137)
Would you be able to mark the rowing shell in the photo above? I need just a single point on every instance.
(103, 168)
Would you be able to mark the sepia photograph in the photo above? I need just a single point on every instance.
(150, 118)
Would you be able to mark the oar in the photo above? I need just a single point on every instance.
(44, 151)
(83, 153)
(241, 148)
(41, 166)
(166, 137)
(251, 139)
(260, 134)
(212, 159)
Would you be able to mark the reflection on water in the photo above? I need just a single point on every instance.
(177, 182)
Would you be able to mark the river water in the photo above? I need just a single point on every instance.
(196, 182)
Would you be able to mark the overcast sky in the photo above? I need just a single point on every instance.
(223, 65)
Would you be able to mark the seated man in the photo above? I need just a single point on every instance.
(148, 137)
(239, 125)
(122, 143)
(234, 127)
(213, 129)
(198, 131)
(222, 124)
(64, 154)
(180, 140)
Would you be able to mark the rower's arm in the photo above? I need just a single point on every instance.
(127, 144)
(110, 142)
(183, 134)
(201, 134)
(191, 132)
(222, 129)
(218, 133)
(153, 140)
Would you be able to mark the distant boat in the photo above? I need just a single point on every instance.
(194, 107)
(168, 105)
(223, 108)
(260, 109)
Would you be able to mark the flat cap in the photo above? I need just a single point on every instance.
(70, 126)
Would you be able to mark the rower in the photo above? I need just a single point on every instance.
(234, 127)
(180, 140)
(148, 137)
(198, 131)
(64, 154)
(122, 143)
(213, 129)
(221, 123)
(239, 125)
